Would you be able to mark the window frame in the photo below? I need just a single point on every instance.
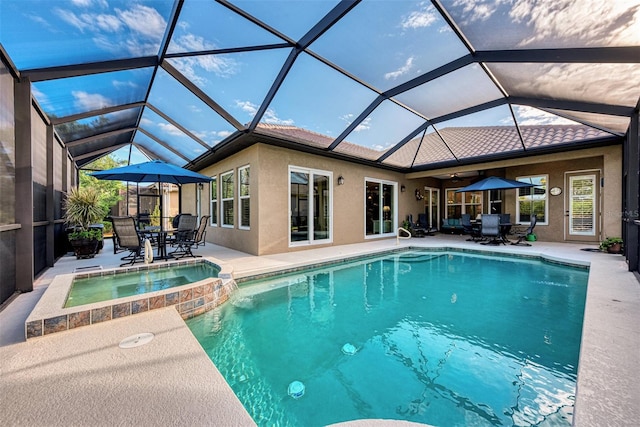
(530, 178)
(312, 173)
(225, 200)
(394, 210)
(463, 200)
(213, 201)
(242, 198)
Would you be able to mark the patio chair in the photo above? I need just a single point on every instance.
(416, 229)
(124, 227)
(469, 229)
(184, 236)
(505, 226)
(523, 236)
(201, 232)
(491, 229)
(424, 224)
(175, 222)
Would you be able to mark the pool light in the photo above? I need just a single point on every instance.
(296, 389)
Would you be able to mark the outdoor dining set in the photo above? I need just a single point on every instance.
(187, 234)
(495, 229)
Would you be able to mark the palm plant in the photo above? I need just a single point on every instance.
(82, 208)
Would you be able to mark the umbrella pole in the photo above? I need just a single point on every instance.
(161, 189)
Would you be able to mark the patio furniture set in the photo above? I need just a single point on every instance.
(187, 235)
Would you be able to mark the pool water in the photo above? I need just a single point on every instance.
(119, 285)
(442, 338)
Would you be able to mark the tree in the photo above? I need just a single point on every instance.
(109, 191)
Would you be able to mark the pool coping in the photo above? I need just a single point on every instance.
(267, 274)
(51, 316)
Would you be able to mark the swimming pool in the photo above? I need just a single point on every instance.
(441, 338)
(99, 287)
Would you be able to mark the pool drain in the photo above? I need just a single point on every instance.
(136, 340)
(296, 389)
(349, 349)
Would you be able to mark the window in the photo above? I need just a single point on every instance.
(310, 206)
(380, 207)
(227, 198)
(466, 202)
(532, 200)
(214, 201)
(495, 201)
(243, 198)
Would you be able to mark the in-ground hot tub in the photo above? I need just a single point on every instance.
(56, 313)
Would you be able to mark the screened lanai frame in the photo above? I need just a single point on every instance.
(410, 78)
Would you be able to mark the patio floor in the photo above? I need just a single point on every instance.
(82, 376)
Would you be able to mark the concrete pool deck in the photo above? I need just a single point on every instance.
(82, 376)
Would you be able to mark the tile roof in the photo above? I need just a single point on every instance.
(449, 143)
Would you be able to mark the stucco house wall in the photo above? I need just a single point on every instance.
(269, 180)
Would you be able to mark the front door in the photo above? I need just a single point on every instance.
(582, 203)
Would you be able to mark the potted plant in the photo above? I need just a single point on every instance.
(613, 245)
(82, 209)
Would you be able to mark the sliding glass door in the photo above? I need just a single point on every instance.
(310, 195)
(380, 207)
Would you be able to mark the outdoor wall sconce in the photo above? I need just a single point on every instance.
(340, 180)
(418, 195)
(403, 188)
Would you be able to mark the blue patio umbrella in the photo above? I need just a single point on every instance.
(495, 183)
(153, 171)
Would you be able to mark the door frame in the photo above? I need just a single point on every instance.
(432, 194)
(597, 204)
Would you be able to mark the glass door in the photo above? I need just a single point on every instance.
(310, 195)
(380, 207)
(432, 206)
(582, 207)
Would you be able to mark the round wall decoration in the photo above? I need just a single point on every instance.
(555, 191)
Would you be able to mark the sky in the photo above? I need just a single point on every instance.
(379, 44)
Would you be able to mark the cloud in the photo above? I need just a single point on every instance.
(247, 107)
(528, 116)
(145, 122)
(43, 100)
(364, 125)
(104, 22)
(137, 30)
(71, 19)
(90, 101)
(582, 21)
(170, 129)
(420, 19)
(221, 65)
(269, 116)
(546, 23)
(587, 82)
(400, 71)
(478, 10)
(118, 84)
(144, 20)
(90, 3)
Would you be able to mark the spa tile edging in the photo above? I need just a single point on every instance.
(189, 300)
